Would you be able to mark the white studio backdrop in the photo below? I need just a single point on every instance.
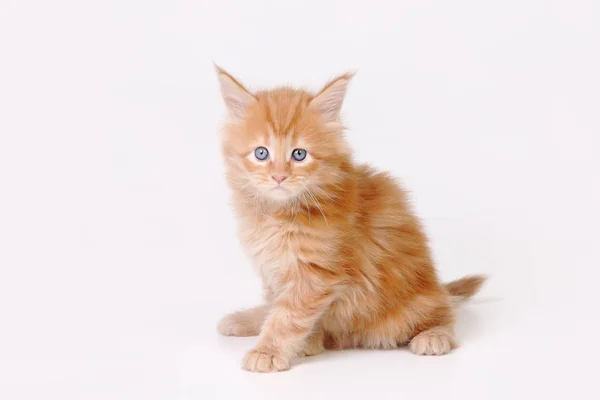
(118, 249)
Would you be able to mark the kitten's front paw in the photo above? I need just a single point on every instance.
(262, 361)
(236, 325)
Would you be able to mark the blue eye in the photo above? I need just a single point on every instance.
(261, 153)
(299, 154)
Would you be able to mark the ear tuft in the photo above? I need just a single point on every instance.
(329, 100)
(237, 98)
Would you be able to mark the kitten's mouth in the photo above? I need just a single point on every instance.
(279, 192)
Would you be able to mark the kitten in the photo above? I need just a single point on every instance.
(343, 259)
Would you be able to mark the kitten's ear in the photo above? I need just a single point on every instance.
(237, 98)
(330, 99)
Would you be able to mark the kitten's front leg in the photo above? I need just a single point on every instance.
(243, 323)
(290, 322)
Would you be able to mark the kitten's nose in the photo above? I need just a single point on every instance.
(279, 178)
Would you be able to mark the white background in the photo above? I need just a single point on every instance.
(118, 251)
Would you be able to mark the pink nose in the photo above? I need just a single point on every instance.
(279, 179)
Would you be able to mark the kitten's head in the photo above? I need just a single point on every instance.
(284, 144)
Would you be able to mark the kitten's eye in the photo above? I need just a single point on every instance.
(261, 153)
(299, 154)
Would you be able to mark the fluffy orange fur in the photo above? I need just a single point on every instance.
(343, 259)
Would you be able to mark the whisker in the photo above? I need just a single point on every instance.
(307, 205)
(318, 206)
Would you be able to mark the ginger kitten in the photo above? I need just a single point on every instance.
(343, 259)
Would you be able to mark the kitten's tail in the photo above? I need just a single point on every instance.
(463, 288)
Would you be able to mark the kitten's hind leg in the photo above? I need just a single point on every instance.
(243, 323)
(314, 344)
(433, 342)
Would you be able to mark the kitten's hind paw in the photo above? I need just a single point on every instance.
(433, 342)
(314, 345)
(235, 325)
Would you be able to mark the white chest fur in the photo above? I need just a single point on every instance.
(269, 242)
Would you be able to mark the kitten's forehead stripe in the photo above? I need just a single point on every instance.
(282, 108)
(268, 114)
(296, 113)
